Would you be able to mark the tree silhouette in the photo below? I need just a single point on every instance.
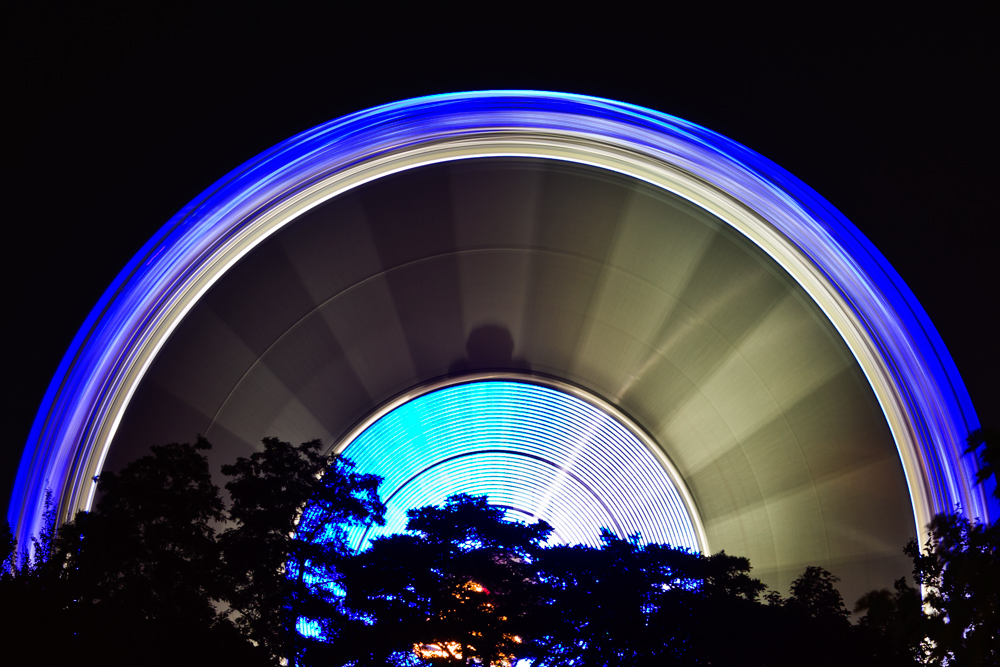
(30, 590)
(815, 622)
(959, 569)
(8, 552)
(632, 604)
(893, 626)
(146, 578)
(465, 586)
(611, 605)
(290, 511)
(989, 457)
(459, 588)
(136, 580)
(815, 595)
(149, 550)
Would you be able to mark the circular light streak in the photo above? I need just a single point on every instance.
(918, 387)
(537, 451)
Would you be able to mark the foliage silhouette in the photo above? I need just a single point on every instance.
(959, 569)
(989, 457)
(464, 586)
(134, 581)
(147, 578)
(815, 595)
(893, 626)
(290, 512)
(628, 603)
(458, 588)
(8, 551)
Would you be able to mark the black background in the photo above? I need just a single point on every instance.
(119, 114)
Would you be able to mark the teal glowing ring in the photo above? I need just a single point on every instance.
(538, 451)
(922, 396)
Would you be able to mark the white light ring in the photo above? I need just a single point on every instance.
(911, 373)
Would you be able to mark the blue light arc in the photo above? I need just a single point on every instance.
(921, 393)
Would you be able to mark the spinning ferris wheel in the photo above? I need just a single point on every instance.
(597, 314)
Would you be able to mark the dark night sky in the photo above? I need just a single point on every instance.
(122, 115)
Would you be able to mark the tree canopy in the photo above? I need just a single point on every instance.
(959, 569)
(147, 578)
(290, 510)
(169, 569)
(137, 580)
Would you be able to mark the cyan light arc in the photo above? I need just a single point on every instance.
(925, 403)
(540, 452)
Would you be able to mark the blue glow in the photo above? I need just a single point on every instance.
(65, 437)
(537, 451)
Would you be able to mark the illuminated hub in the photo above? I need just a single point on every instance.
(537, 451)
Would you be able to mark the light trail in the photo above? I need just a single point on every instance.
(907, 365)
(538, 451)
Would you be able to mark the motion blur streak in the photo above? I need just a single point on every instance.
(539, 452)
(916, 383)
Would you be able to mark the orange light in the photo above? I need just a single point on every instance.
(440, 650)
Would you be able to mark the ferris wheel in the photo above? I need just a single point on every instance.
(595, 313)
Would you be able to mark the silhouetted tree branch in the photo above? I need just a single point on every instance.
(989, 457)
(146, 578)
(459, 588)
(959, 569)
(290, 512)
(136, 580)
